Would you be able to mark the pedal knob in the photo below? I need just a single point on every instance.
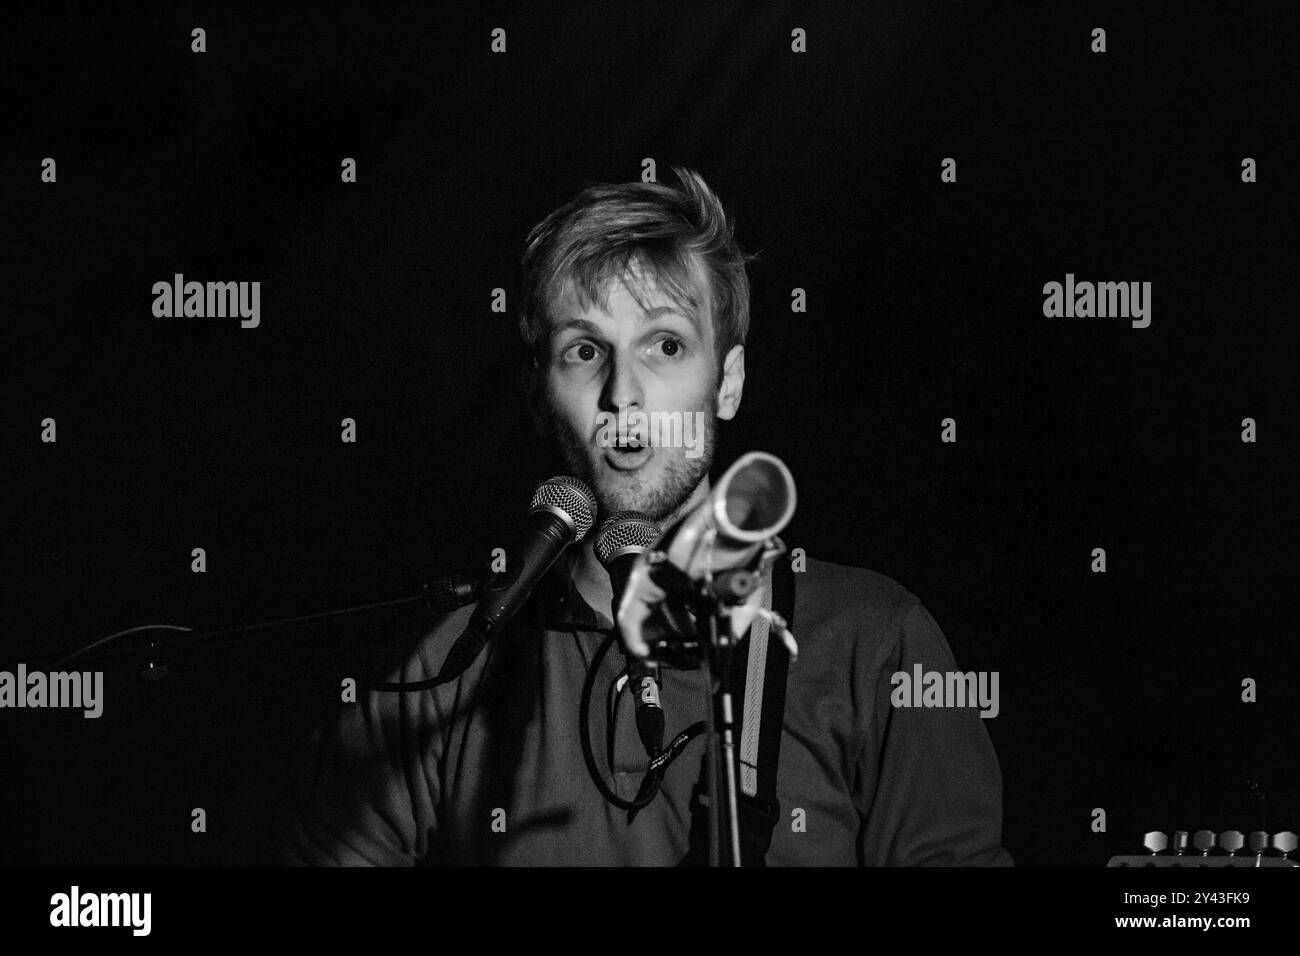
(1284, 842)
(1180, 842)
(1203, 840)
(1155, 841)
(1258, 842)
(1232, 841)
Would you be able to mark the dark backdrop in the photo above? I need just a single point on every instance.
(1118, 690)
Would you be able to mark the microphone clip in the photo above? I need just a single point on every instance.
(673, 630)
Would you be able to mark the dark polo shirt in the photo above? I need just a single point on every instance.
(489, 768)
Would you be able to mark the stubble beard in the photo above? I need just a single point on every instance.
(631, 491)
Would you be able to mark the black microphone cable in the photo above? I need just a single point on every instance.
(658, 764)
(622, 538)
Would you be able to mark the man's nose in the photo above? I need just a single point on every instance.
(623, 387)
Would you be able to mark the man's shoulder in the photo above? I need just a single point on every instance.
(850, 611)
(824, 587)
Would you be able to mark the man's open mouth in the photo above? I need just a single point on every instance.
(628, 453)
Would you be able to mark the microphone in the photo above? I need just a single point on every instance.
(450, 591)
(562, 511)
(623, 537)
(752, 503)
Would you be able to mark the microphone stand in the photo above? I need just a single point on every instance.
(441, 594)
(720, 729)
(713, 600)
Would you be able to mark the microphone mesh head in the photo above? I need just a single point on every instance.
(571, 496)
(621, 530)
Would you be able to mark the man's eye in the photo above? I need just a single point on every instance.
(671, 347)
(582, 352)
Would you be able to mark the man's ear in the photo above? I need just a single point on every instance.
(732, 385)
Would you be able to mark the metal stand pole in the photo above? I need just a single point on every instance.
(723, 647)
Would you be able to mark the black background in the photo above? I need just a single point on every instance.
(1119, 691)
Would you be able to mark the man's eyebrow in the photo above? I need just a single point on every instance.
(573, 322)
(691, 315)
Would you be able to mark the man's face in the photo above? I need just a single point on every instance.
(652, 361)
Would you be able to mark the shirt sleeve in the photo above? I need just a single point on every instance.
(370, 790)
(937, 799)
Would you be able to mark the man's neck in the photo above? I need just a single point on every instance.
(590, 577)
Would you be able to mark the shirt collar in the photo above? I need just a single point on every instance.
(558, 605)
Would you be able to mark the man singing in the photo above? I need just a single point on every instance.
(634, 298)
